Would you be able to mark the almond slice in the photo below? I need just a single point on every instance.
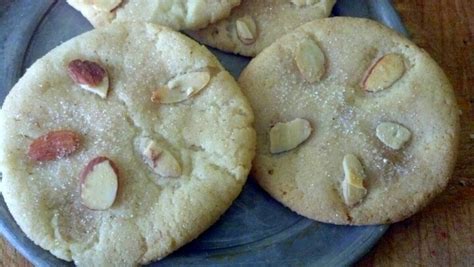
(285, 136)
(181, 88)
(392, 134)
(90, 76)
(353, 188)
(246, 30)
(161, 161)
(54, 145)
(106, 5)
(384, 73)
(99, 184)
(310, 60)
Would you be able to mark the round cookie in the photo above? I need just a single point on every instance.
(113, 156)
(254, 25)
(355, 124)
(177, 14)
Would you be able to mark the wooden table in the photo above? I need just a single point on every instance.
(443, 233)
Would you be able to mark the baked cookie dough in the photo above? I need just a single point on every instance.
(177, 14)
(115, 157)
(355, 124)
(254, 25)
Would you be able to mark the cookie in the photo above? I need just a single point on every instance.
(254, 25)
(355, 124)
(179, 15)
(112, 156)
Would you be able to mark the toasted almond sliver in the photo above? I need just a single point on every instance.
(161, 161)
(99, 183)
(54, 145)
(89, 75)
(392, 134)
(353, 188)
(310, 60)
(246, 30)
(285, 136)
(384, 73)
(181, 88)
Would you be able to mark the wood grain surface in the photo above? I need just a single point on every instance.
(443, 233)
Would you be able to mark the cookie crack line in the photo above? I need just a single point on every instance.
(199, 149)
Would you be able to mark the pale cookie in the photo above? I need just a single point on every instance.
(383, 116)
(254, 25)
(98, 173)
(177, 14)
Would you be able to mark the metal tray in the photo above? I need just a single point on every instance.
(256, 230)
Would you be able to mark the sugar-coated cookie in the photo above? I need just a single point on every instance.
(123, 144)
(355, 124)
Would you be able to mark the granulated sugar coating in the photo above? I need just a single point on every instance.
(210, 135)
(310, 179)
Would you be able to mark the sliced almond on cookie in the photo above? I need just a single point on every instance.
(99, 184)
(285, 136)
(246, 30)
(310, 60)
(181, 87)
(54, 145)
(384, 73)
(353, 188)
(106, 5)
(392, 134)
(161, 161)
(90, 76)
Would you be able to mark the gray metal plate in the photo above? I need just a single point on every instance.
(256, 230)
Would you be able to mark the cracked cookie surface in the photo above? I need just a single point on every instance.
(209, 135)
(384, 122)
(177, 14)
